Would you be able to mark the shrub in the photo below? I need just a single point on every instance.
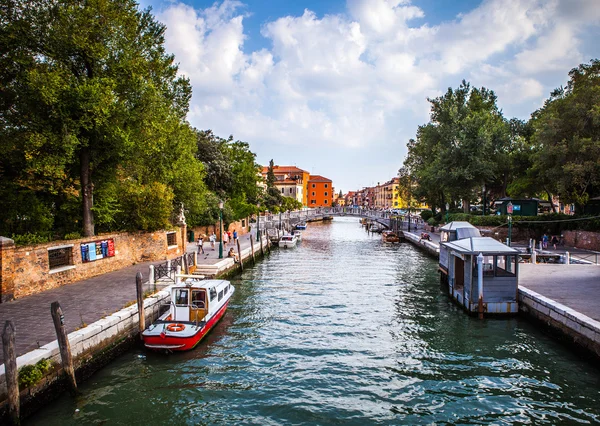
(432, 221)
(31, 238)
(426, 214)
(72, 236)
(29, 375)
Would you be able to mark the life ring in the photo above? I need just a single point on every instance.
(176, 327)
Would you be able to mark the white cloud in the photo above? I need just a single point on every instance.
(361, 79)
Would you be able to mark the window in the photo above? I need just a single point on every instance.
(59, 257)
(326, 186)
(291, 190)
(220, 295)
(325, 201)
(313, 193)
(171, 239)
(199, 299)
(314, 185)
(181, 297)
(505, 266)
(313, 202)
(326, 193)
(488, 263)
(213, 294)
(243, 223)
(283, 190)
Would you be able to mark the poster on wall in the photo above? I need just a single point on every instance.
(97, 250)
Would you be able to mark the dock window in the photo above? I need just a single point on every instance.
(488, 266)
(506, 266)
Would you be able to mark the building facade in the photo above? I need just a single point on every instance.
(290, 181)
(320, 191)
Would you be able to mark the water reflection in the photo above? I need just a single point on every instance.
(344, 329)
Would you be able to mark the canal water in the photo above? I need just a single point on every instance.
(344, 329)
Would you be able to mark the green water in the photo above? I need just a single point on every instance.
(344, 330)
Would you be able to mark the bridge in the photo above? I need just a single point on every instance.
(287, 220)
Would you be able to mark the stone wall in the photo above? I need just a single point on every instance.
(26, 270)
(241, 226)
(582, 239)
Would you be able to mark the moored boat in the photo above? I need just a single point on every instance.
(390, 237)
(196, 306)
(301, 225)
(298, 235)
(288, 241)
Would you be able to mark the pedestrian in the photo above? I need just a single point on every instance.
(229, 236)
(200, 245)
(225, 238)
(213, 238)
(545, 241)
(554, 241)
(235, 236)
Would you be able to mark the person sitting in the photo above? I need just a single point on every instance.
(425, 236)
(232, 254)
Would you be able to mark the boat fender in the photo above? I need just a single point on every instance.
(176, 327)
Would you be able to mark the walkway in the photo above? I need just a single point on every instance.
(83, 302)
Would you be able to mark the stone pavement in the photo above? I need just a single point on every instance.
(84, 302)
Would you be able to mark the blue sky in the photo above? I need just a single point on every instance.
(338, 87)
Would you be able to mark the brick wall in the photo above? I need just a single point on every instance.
(25, 270)
(205, 231)
(582, 239)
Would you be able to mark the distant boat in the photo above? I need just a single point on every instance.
(390, 237)
(298, 235)
(301, 225)
(288, 241)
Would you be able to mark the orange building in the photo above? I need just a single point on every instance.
(320, 191)
(291, 181)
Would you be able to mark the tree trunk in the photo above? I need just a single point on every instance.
(466, 206)
(550, 199)
(87, 189)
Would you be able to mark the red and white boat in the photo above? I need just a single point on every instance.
(196, 306)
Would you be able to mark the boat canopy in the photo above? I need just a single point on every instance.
(476, 245)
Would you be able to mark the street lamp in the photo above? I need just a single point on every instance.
(509, 211)
(221, 229)
(258, 224)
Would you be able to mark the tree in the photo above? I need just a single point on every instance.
(273, 197)
(566, 137)
(90, 89)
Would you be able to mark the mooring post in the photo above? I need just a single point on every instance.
(63, 345)
(140, 302)
(533, 256)
(252, 250)
(177, 275)
(567, 258)
(10, 371)
(262, 250)
(240, 255)
(480, 283)
(151, 277)
(186, 267)
(195, 258)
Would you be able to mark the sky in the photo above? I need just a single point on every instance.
(338, 87)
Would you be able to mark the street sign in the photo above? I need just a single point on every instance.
(509, 208)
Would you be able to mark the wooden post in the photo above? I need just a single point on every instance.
(240, 255)
(252, 250)
(63, 345)
(186, 267)
(140, 302)
(10, 371)
(262, 250)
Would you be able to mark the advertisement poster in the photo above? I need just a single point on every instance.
(97, 250)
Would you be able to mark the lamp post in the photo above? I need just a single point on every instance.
(258, 224)
(509, 210)
(221, 229)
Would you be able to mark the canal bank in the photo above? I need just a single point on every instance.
(574, 318)
(103, 331)
(343, 329)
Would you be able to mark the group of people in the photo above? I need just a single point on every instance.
(227, 237)
(554, 241)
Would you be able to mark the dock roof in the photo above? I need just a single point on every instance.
(476, 245)
(453, 226)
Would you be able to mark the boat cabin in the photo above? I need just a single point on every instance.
(499, 278)
(457, 231)
(195, 299)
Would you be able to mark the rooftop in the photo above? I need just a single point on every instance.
(476, 245)
(318, 178)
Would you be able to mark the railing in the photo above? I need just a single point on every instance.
(588, 258)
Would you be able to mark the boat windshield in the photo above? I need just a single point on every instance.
(181, 297)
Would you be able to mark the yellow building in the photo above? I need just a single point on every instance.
(291, 181)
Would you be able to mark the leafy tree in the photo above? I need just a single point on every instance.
(91, 90)
(566, 137)
(273, 197)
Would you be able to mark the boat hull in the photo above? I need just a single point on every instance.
(166, 340)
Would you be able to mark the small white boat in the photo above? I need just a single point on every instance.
(301, 225)
(288, 241)
(196, 306)
(297, 234)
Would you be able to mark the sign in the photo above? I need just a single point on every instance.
(509, 208)
(97, 250)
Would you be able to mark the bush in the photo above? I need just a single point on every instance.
(432, 221)
(29, 375)
(426, 214)
(31, 238)
(72, 236)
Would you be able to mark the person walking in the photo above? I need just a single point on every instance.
(225, 238)
(200, 245)
(235, 236)
(545, 241)
(229, 236)
(554, 241)
(213, 239)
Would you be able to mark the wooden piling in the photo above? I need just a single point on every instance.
(63, 345)
(262, 250)
(10, 371)
(186, 267)
(240, 255)
(252, 250)
(140, 302)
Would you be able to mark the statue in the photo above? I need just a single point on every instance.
(181, 217)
